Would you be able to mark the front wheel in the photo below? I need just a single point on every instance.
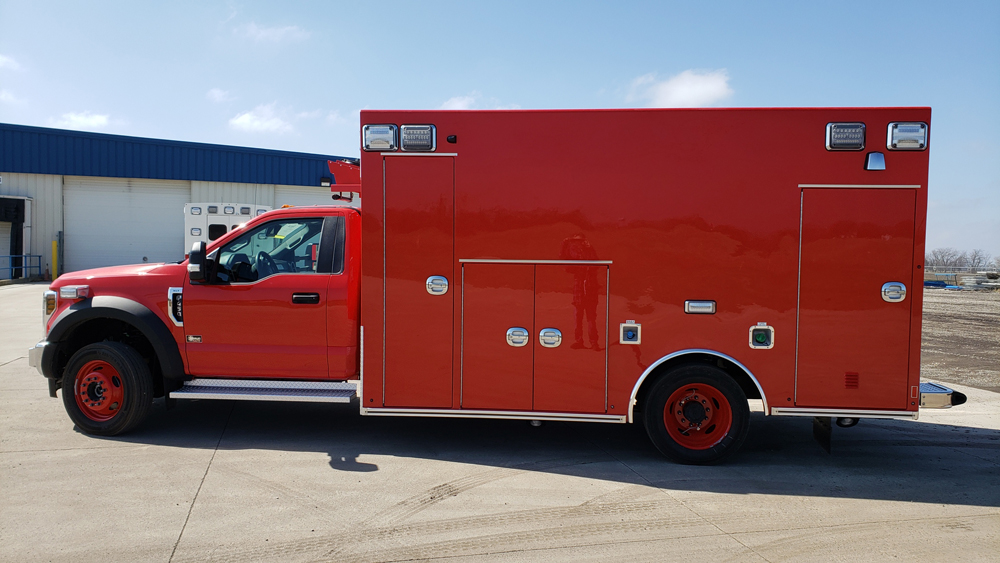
(107, 388)
(696, 414)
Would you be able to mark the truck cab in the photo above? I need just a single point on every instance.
(274, 299)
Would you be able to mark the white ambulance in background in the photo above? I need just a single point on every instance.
(209, 221)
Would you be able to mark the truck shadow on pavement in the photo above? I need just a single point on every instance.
(878, 459)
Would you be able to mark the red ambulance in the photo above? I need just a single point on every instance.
(658, 266)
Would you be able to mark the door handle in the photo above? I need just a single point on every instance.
(550, 337)
(437, 285)
(893, 292)
(517, 336)
(305, 298)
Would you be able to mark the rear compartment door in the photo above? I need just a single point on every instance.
(419, 246)
(853, 346)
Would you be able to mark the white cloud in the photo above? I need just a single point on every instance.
(459, 102)
(83, 120)
(274, 34)
(309, 115)
(689, 89)
(334, 118)
(218, 95)
(8, 62)
(475, 101)
(261, 119)
(8, 98)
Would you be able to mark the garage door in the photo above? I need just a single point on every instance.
(114, 221)
(4, 250)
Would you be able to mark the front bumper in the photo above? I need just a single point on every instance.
(35, 356)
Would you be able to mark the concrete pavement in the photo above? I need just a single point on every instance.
(221, 481)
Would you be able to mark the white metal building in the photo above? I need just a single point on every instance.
(119, 200)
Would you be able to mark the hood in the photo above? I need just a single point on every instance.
(83, 276)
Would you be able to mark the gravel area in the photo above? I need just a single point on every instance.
(961, 338)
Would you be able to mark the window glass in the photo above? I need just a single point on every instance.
(287, 246)
(216, 230)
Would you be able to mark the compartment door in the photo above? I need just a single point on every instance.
(419, 242)
(496, 370)
(853, 348)
(572, 299)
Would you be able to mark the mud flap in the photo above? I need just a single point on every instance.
(822, 431)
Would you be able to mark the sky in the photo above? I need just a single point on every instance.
(294, 75)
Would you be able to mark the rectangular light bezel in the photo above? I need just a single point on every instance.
(414, 145)
(379, 141)
(74, 291)
(831, 141)
(891, 133)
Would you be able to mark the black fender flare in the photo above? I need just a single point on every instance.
(121, 309)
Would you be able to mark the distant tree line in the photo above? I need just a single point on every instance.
(953, 258)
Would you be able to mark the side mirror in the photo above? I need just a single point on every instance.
(196, 262)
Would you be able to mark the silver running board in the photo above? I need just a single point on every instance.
(268, 390)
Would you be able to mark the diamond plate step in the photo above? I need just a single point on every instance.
(268, 390)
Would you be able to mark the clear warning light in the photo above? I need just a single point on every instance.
(845, 136)
(907, 136)
(379, 137)
(418, 138)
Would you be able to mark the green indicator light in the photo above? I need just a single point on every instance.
(760, 337)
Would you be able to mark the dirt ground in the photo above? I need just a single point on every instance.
(961, 338)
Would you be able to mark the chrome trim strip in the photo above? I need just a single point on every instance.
(798, 299)
(384, 276)
(170, 304)
(848, 413)
(419, 154)
(503, 261)
(635, 389)
(607, 335)
(860, 186)
(506, 415)
(361, 367)
(349, 385)
(314, 397)
(461, 348)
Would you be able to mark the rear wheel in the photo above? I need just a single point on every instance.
(696, 414)
(107, 388)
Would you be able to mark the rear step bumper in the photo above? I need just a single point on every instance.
(268, 390)
(937, 396)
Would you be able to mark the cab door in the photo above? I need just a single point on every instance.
(853, 349)
(420, 283)
(264, 312)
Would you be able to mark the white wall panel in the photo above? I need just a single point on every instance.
(301, 195)
(113, 221)
(254, 194)
(46, 192)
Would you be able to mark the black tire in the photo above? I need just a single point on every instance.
(114, 386)
(719, 393)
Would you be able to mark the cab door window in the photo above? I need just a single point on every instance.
(286, 246)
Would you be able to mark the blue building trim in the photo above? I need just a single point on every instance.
(40, 150)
